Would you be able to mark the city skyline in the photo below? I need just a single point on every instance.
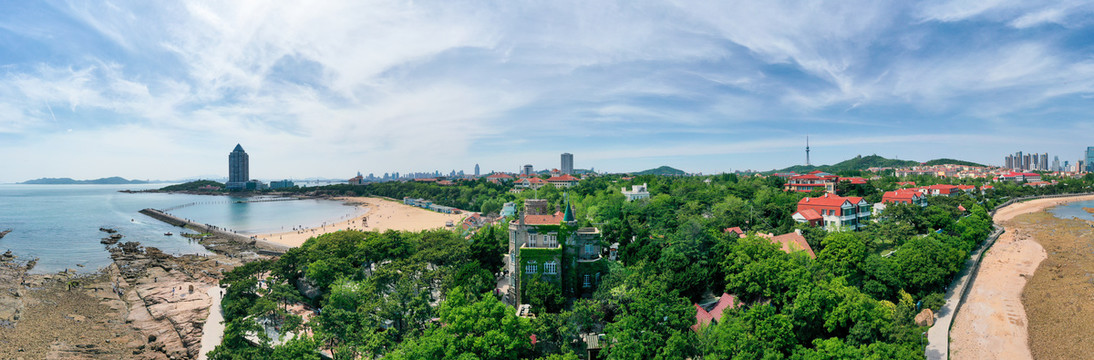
(98, 90)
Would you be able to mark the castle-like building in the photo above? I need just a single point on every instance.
(553, 248)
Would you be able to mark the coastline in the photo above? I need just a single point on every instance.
(379, 214)
(993, 322)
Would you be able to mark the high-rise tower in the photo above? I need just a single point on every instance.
(567, 163)
(807, 150)
(476, 169)
(238, 168)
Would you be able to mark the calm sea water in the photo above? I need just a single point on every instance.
(1074, 210)
(59, 224)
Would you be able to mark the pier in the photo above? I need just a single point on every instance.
(266, 247)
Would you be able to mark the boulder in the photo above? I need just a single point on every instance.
(925, 318)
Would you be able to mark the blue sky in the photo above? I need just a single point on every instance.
(158, 90)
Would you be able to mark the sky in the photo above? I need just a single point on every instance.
(165, 90)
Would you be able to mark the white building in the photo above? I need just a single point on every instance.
(636, 192)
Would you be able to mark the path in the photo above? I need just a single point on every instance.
(213, 331)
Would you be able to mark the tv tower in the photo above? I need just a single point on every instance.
(807, 150)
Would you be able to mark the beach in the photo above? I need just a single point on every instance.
(994, 322)
(376, 215)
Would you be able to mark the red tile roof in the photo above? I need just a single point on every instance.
(736, 229)
(791, 242)
(901, 196)
(810, 215)
(563, 177)
(534, 180)
(829, 200)
(703, 317)
(544, 219)
(499, 176)
(854, 180)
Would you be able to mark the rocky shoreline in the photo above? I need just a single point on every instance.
(145, 305)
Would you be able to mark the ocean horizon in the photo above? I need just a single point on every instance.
(59, 224)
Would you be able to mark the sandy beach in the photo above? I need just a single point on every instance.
(992, 322)
(378, 214)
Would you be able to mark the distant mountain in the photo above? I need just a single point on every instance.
(193, 186)
(945, 161)
(664, 170)
(68, 181)
(858, 163)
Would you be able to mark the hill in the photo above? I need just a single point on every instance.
(944, 161)
(192, 186)
(857, 163)
(69, 181)
(663, 170)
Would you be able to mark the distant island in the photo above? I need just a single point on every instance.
(69, 181)
(199, 185)
(663, 170)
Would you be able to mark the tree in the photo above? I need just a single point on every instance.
(485, 329)
(758, 333)
(842, 254)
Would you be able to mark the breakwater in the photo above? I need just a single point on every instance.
(265, 247)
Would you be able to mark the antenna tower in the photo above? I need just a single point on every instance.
(807, 150)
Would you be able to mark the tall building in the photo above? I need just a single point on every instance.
(1043, 165)
(567, 163)
(527, 171)
(1056, 164)
(238, 168)
(1018, 161)
(1089, 159)
(476, 170)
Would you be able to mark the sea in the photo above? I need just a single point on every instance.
(1074, 210)
(59, 224)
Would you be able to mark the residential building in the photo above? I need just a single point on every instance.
(283, 184)
(429, 205)
(530, 183)
(563, 181)
(812, 181)
(238, 169)
(252, 185)
(499, 178)
(791, 242)
(551, 247)
(904, 197)
(637, 192)
(940, 190)
(567, 163)
(712, 313)
(834, 212)
(1019, 177)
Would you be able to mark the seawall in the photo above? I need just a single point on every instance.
(265, 247)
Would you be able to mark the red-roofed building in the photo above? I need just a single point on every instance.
(791, 242)
(853, 180)
(1038, 183)
(812, 181)
(531, 183)
(968, 189)
(809, 216)
(499, 178)
(940, 190)
(737, 230)
(704, 317)
(837, 212)
(1019, 177)
(904, 197)
(563, 181)
(905, 183)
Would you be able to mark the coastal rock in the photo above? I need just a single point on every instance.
(925, 318)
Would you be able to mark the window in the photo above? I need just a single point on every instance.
(531, 240)
(586, 282)
(589, 250)
(530, 268)
(550, 240)
(550, 268)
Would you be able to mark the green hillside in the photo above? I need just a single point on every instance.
(944, 161)
(663, 170)
(857, 163)
(192, 186)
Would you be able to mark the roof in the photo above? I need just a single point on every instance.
(829, 200)
(900, 195)
(726, 301)
(563, 177)
(854, 180)
(534, 180)
(544, 219)
(791, 242)
(238, 148)
(499, 176)
(737, 229)
(810, 214)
